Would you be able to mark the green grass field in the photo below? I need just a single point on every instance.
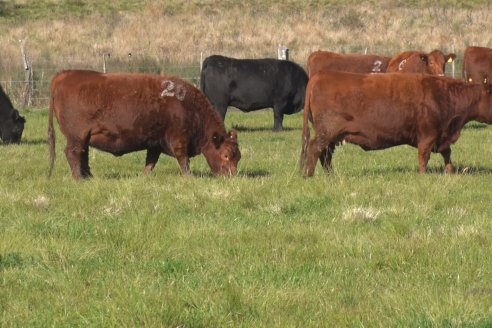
(373, 245)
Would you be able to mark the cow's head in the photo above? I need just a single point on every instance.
(436, 62)
(222, 153)
(11, 127)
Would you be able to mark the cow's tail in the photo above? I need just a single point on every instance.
(51, 135)
(305, 130)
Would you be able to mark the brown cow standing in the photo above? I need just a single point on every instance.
(419, 62)
(405, 62)
(477, 64)
(122, 113)
(378, 111)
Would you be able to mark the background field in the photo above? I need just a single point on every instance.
(172, 36)
(373, 245)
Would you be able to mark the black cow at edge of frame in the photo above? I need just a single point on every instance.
(11, 123)
(252, 84)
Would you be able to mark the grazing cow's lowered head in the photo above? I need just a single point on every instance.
(11, 123)
(223, 154)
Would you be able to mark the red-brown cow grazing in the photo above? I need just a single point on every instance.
(419, 62)
(122, 113)
(477, 64)
(377, 111)
(354, 63)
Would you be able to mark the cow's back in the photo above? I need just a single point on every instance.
(351, 63)
(128, 112)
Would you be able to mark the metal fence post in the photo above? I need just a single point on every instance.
(28, 88)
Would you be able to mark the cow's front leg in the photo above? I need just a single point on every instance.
(184, 163)
(446, 154)
(151, 159)
(181, 154)
(424, 149)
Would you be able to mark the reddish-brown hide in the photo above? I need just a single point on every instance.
(354, 63)
(122, 113)
(433, 63)
(377, 111)
(405, 62)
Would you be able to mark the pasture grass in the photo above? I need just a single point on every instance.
(374, 244)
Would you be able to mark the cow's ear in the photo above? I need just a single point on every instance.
(450, 58)
(217, 140)
(233, 135)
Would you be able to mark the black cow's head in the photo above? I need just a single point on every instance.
(11, 127)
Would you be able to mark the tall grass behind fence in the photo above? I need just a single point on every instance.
(13, 82)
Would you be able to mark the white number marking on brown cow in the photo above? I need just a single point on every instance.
(173, 90)
(402, 64)
(377, 66)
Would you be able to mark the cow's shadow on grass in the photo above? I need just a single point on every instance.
(29, 142)
(435, 170)
(251, 174)
(34, 142)
(476, 125)
(242, 128)
(173, 172)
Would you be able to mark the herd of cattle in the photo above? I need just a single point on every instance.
(372, 101)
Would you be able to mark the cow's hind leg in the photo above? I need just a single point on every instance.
(326, 155)
(316, 148)
(446, 154)
(77, 155)
(151, 159)
(85, 168)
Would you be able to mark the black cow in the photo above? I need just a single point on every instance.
(11, 123)
(252, 84)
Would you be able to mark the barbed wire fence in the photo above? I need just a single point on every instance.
(28, 85)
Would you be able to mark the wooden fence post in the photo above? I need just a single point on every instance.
(104, 60)
(28, 89)
(282, 52)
